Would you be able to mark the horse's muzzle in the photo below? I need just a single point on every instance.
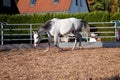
(35, 44)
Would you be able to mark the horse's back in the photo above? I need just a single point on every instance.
(67, 25)
(73, 23)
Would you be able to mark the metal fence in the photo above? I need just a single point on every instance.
(9, 32)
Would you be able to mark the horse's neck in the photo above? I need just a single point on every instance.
(42, 30)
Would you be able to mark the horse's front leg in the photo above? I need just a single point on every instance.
(49, 41)
(57, 41)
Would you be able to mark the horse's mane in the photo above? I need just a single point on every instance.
(46, 25)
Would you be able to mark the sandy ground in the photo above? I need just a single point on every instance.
(84, 64)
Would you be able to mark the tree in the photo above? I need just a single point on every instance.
(118, 10)
(107, 4)
(101, 5)
(97, 6)
(16, 1)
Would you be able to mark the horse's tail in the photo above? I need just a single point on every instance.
(86, 27)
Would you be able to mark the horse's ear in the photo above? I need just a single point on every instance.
(52, 23)
(34, 32)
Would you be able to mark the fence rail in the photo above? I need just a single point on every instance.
(7, 31)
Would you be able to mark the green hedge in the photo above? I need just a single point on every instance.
(40, 18)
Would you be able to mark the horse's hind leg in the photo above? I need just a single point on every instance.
(75, 43)
(77, 36)
(80, 39)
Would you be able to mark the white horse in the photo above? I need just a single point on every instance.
(57, 27)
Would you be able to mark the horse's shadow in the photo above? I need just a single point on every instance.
(116, 77)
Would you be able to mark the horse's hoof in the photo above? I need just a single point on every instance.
(61, 49)
(73, 49)
(81, 47)
(46, 51)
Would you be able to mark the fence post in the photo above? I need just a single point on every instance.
(116, 30)
(2, 39)
(31, 33)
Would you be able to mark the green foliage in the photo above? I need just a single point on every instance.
(98, 6)
(97, 16)
(115, 16)
(3, 18)
(102, 5)
(41, 18)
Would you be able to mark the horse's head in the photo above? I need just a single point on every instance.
(37, 38)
